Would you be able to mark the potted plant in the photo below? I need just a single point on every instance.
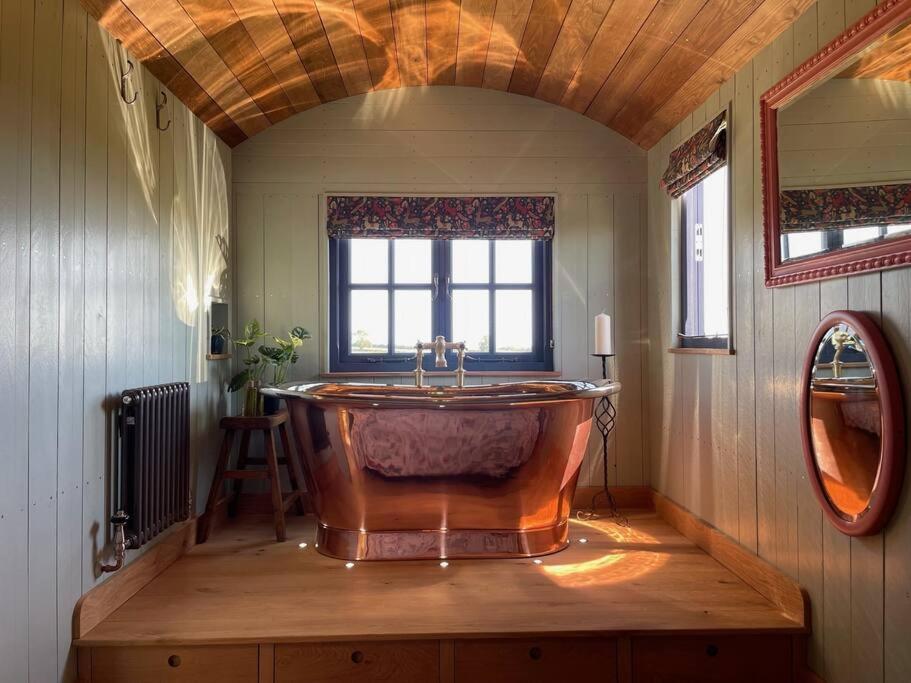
(281, 357)
(217, 343)
(250, 378)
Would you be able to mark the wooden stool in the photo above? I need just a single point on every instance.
(280, 502)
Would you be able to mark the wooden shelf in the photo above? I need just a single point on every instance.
(218, 356)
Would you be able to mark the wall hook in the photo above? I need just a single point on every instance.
(158, 107)
(124, 77)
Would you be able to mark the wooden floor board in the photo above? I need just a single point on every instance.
(238, 588)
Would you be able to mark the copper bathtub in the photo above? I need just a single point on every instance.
(399, 472)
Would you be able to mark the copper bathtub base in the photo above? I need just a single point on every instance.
(438, 544)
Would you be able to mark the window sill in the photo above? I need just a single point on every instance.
(701, 352)
(427, 373)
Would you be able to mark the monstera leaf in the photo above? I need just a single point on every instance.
(239, 381)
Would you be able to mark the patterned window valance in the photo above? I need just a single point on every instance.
(441, 217)
(838, 208)
(703, 153)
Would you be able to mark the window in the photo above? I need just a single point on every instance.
(386, 294)
(796, 245)
(704, 272)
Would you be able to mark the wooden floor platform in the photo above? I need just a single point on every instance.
(243, 587)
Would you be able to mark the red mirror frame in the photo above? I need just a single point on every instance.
(886, 254)
(892, 446)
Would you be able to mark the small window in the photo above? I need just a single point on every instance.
(705, 259)
(386, 294)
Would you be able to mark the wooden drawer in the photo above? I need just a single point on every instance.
(709, 659)
(528, 660)
(406, 661)
(221, 664)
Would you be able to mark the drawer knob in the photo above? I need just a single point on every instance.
(711, 650)
(535, 653)
(357, 656)
(174, 661)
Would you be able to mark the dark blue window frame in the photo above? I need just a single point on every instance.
(341, 359)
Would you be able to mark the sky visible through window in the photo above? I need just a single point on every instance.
(470, 289)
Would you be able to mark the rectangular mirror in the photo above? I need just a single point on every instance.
(836, 167)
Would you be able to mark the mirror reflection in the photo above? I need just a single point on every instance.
(845, 421)
(844, 154)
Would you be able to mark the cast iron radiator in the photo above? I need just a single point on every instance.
(154, 485)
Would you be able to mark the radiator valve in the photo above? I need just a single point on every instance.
(119, 521)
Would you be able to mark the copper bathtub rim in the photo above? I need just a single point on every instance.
(541, 540)
(306, 391)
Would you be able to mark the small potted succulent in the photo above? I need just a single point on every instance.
(217, 342)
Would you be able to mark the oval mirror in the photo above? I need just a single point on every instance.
(853, 423)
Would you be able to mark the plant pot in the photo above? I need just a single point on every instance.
(217, 345)
(271, 404)
(253, 399)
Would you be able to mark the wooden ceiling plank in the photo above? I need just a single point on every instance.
(123, 25)
(661, 30)
(509, 21)
(541, 31)
(223, 29)
(341, 26)
(374, 17)
(708, 31)
(442, 18)
(763, 26)
(618, 30)
(582, 22)
(265, 27)
(410, 24)
(174, 29)
(475, 22)
(303, 25)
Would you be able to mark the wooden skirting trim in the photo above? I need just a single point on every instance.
(752, 569)
(103, 599)
(626, 497)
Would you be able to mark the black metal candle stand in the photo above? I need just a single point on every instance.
(605, 419)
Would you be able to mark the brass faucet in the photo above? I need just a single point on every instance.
(440, 346)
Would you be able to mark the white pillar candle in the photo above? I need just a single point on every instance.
(603, 341)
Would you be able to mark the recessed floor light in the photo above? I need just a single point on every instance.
(349, 565)
(301, 545)
(583, 540)
(444, 564)
(538, 561)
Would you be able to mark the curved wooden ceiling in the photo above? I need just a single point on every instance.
(637, 66)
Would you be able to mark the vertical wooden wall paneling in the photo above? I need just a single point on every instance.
(167, 319)
(43, 365)
(70, 338)
(810, 562)
(95, 266)
(786, 431)
(15, 154)
(763, 79)
(896, 313)
(743, 124)
(305, 281)
(117, 330)
(601, 266)
(627, 232)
